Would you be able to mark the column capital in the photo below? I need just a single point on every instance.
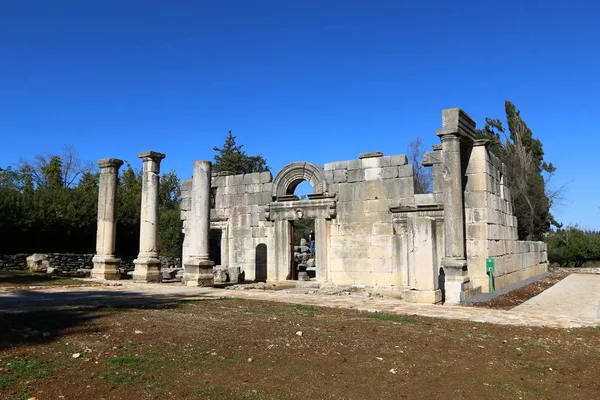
(109, 163)
(456, 122)
(151, 156)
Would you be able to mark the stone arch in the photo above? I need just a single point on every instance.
(292, 174)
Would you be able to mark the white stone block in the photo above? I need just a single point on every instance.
(372, 174)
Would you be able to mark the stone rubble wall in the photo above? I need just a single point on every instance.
(361, 236)
(70, 262)
(492, 226)
(238, 212)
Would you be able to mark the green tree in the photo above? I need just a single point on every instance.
(169, 214)
(527, 175)
(231, 159)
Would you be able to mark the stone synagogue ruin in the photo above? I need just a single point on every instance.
(370, 227)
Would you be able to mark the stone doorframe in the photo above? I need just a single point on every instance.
(222, 224)
(420, 229)
(285, 208)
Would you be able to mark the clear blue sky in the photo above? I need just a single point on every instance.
(314, 80)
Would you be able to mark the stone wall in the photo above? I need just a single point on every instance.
(361, 235)
(370, 226)
(238, 213)
(492, 226)
(70, 262)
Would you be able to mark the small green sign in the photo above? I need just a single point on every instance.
(490, 265)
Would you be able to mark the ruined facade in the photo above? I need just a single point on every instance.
(370, 227)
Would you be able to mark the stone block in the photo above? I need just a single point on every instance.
(373, 190)
(340, 176)
(265, 177)
(477, 231)
(186, 186)
(371, 162)
(405, 171)
(186, 204)
(329, 176)
(38, 263)
(354, 164)
(234, 180)
(372, 174)
(476, 199)
(398, 159)
(356, 175)
(253, 187)
(250, 179)
(371, 154)
(389, 172)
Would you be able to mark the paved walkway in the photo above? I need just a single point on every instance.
(129, 293)
(577, 295)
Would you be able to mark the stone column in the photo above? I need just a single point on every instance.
(147, 265)
(106, 265)
(457, 126)
(198, 268)
(321, 246)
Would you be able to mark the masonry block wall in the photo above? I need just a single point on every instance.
(492, 226)
(361, 236)
(238, 216)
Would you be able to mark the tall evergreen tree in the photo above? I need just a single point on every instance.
(525, 177)
(231, 159)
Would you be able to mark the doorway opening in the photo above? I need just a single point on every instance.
(215, 245)
(303, 250)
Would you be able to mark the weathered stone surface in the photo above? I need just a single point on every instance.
(147, 264)
(370, 227)
(370, 154)
(38, 263)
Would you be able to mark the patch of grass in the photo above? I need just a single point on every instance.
(265, 310)
(124, 360)
(308, 311)
(390, 317)
(534, 368)
(24, 395)
(120, 378)
(304, 307)
(30, 369)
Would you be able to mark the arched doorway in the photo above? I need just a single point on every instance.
(288, 209)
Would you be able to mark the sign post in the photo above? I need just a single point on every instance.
(490, 267)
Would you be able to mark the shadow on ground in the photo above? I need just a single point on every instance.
(23, 278)
(35, 317)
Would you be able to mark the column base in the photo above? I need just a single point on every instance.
(147, 270)
(423, 296)
(456, 280)
(106, 267)
(198, 273)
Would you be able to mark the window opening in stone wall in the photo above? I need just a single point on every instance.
(303, 189)
(215, 245)
(304, 249)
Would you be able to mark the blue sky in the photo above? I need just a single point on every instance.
(309, 80)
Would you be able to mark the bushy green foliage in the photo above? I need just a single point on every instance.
(46, 208)
(573, 246)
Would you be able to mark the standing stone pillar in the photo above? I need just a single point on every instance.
(147, 265)
(106, 265)
(457, 126)
(198, 268)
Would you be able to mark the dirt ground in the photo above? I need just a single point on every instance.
(521, 295)
(243, 349)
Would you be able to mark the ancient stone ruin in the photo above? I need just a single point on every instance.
(370, 228)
